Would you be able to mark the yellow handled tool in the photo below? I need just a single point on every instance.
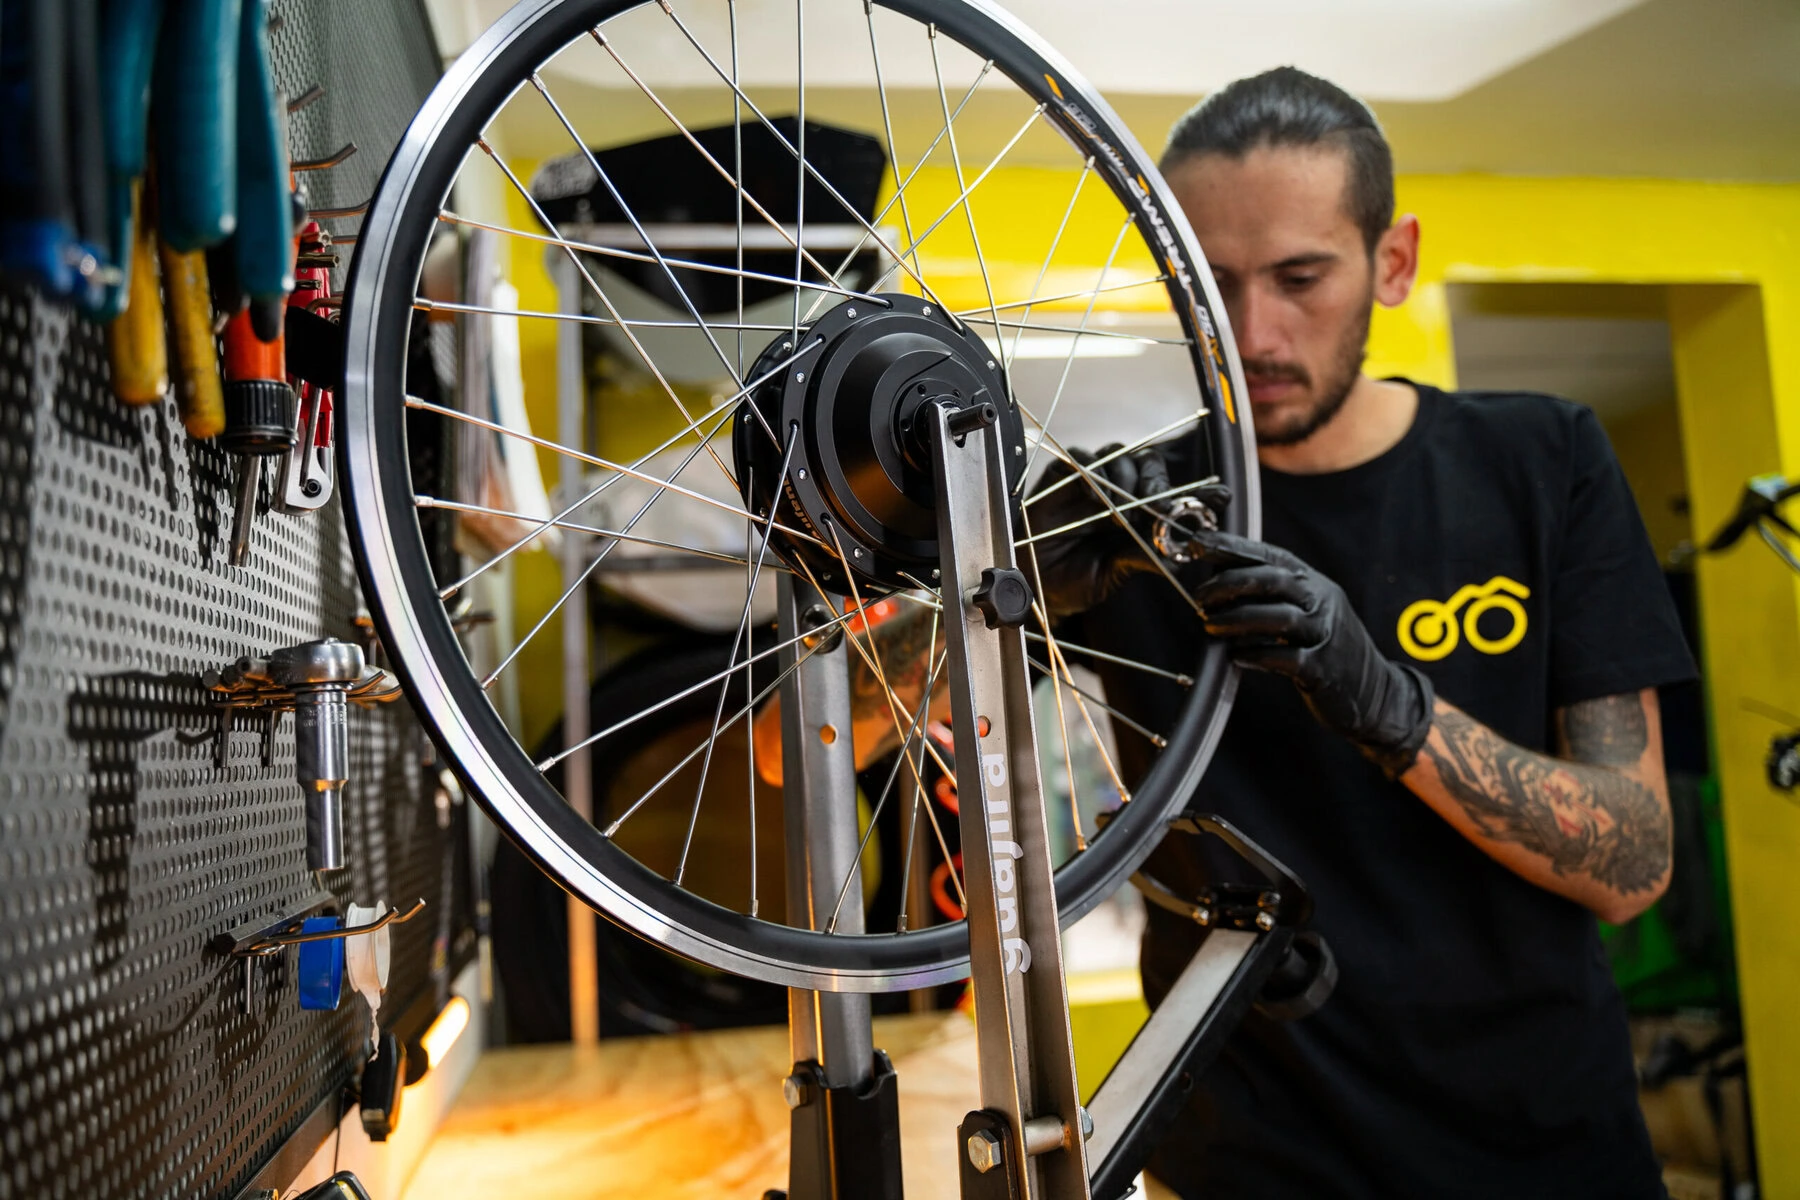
(198, 388)
(136, 340)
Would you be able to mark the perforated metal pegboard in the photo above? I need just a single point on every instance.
(127, 1066)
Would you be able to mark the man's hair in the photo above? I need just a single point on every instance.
(1288, 107)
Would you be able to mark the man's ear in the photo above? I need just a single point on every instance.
(1397, 261)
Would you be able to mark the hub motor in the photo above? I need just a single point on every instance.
(860, 476)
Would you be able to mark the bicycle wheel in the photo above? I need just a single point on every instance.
(941, 92)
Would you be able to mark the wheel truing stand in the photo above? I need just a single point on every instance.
(1029, 1140)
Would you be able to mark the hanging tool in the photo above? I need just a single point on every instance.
(305, 480)
(198, 390)
(264, 239)
(51, 194)
(196, 117)
(317, 680)
(259, 417)
(136, 340)
(128, 34)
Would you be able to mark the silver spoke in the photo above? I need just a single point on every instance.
(1087, 169)
(872, 656)
(1062, 720)
(915, 728)
(587, 571)
(1074, 342)
(1113, 510)
(737, 200)
(740, 714)
(742, 636)
(1022, 327)
(1066, 645)
(887, 124)
(593, 162)
(1082, 295)
(1093, 730)
(421, 304)
(693, 427)
(902, 184)
(1130, 447)
(800, 135)
(956, 162)
(1064, 679)
(684, 693)
(961, 201)
(736, 182)
(615, 535)
(806, 168)
(635, 256)
(606, 301)
(606, 464)
(1099, 484)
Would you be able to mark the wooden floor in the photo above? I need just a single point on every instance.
(685, 1117)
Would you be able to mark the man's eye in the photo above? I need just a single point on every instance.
(1298, 283)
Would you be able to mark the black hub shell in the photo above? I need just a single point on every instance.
(861, 479)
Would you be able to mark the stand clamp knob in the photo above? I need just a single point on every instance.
(1004, 597)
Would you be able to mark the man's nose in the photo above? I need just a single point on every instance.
(1255, 324)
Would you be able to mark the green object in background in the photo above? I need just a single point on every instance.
(1678, 954)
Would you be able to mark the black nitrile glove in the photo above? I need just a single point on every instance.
(1084, 565)
(1278, 614)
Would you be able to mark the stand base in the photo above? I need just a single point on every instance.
(845, 1141)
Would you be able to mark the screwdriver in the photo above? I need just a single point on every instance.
(198, 391)
(259, 416)
(136, 341)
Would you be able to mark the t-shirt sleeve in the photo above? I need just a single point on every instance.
(1613, 626)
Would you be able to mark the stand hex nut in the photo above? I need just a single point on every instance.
(985, 1151)
(796, 1090)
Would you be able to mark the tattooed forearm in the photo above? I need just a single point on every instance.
(903, 646)
(1610, 731)
(1586, 819)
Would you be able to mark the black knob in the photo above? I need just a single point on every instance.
(1004, 597)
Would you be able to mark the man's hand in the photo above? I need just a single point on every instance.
(1077, 569)
(1278, 614)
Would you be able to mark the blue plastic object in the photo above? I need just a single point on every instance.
(321, 968)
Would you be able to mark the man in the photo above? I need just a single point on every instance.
(1448, 727)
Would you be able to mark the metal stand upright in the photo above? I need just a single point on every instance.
(845, 1128)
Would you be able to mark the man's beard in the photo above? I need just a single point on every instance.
(1345, 367)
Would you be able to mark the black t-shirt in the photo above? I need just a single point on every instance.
(1476, 1044)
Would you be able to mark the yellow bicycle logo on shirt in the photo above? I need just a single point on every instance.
(1430, 629)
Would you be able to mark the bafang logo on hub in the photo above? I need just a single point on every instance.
(1432, 629)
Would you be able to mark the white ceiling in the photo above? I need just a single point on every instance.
(1384, 50)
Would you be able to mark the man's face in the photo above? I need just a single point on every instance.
(1291, 266)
